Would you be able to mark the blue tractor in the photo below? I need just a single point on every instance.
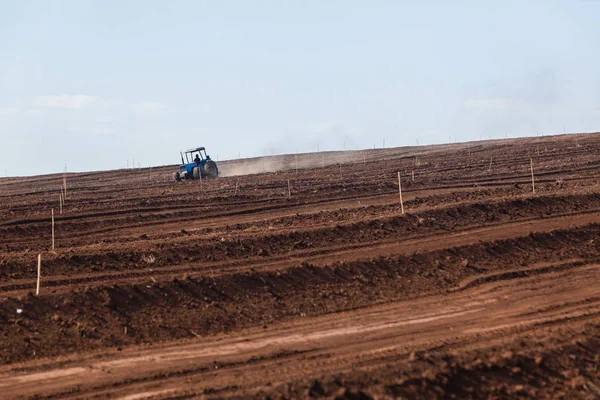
(196, 164)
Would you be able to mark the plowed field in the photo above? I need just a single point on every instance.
(304, 279)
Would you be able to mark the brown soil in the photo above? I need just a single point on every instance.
(162, 289)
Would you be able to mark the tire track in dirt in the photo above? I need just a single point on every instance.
(322, 346)
(207, 305)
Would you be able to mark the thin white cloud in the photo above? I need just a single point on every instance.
(7, 111)
(65, 101)
(148, 107)
(76, 102)
(95, 103)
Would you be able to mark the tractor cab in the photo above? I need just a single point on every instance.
(193, 158)
(196, 164)
(190, 155)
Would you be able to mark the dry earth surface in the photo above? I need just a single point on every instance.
(247, 287)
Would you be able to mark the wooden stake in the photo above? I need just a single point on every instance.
(65, 185)
(289, 190)
(490, 167)
(413, 175)
(37, 289)
(532, 178)
(60, 203)
(236, 187)
(400, 191)
(53, 229)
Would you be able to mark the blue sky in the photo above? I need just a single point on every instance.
(92, 84)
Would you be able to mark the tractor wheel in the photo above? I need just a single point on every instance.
(210, 170)
(177, 176)
(196, 172)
